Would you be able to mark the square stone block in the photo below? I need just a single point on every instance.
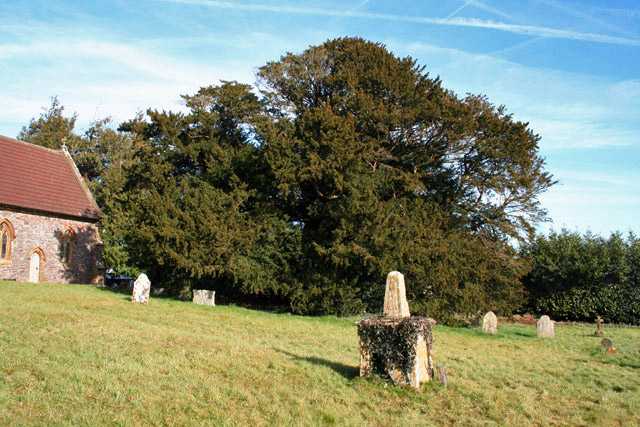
(397, 348)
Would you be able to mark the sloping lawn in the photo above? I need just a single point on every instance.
(78, 355)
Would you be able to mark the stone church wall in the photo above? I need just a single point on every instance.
(33, 231)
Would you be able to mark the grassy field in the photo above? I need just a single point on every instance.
(79, 355)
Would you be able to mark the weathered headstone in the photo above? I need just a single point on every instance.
(608, 346)
(396, 345)
(545, 327)
(599, 327)
(204, 297)
(442, 375)
(490, 323)
(141, 289)
(395, 296)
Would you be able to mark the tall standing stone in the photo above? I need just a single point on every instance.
(141, 289)
(545, 327)
(395, 296)
(490, 323)
(599, 327)
(396, 345)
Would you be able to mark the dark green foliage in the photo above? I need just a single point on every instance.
(199, 199)
(349, 162)
(386, 170)
(614, 303)
(51, 129)
(578, 277)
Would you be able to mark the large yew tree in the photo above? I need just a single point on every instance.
(344, 163)
(383, 169)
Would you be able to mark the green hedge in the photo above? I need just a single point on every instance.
(615, 303)
(577, 276)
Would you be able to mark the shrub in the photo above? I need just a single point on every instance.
(580, 277)
(614, 303)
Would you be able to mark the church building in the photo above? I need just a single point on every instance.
(48, 217)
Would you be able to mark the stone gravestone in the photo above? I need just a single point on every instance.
(442, 375)
(396, 345)
(545, 327)
(141, 289)
(395, 296)
(599, 327)
(607, 344)
(490, 323)
(204, 297)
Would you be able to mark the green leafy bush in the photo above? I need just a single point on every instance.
(614, 303)
(580, 277)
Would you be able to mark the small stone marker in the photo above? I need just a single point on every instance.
(395, 296)
(490, 323)
(545, 327)
(204, 297)
(607, 345)
(442, 375)
(599, 327)
(141, 289)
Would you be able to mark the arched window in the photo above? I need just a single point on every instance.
(7, 235)
(66, 246)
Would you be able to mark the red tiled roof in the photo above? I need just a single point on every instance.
(41, 179)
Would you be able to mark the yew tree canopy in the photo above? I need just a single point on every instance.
(344, 163)
(350, 107)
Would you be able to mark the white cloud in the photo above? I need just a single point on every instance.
(529, 30)
(99, 78)
(568, 110)
(478, 5)
(600, 180)
(121, 54)
(626, 13)
(575, 133)
(599, 208)
(580, 13)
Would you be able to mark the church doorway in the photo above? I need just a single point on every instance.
(36, 262)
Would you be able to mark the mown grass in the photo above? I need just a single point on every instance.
(78, 355)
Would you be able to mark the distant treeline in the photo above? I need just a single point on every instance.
(579, 277)
(342, 163)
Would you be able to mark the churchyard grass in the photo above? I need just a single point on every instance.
(79, 355)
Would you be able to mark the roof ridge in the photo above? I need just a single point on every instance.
(9, 139)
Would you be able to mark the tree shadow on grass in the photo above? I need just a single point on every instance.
(123, 293)
(346, 371)
(126, 291)
(526, 334)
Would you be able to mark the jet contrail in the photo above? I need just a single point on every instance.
(529, 30)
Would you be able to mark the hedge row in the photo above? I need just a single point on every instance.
(614, 303)
(580, 276)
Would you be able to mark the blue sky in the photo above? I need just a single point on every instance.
(569, 68)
